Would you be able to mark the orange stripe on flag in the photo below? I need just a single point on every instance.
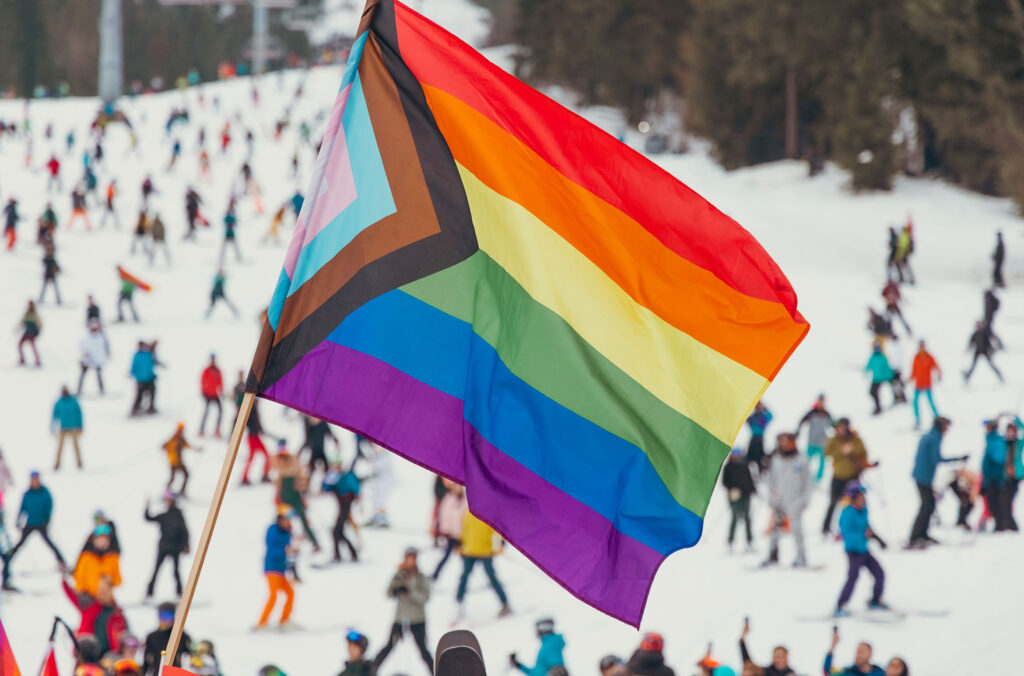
(175, 671)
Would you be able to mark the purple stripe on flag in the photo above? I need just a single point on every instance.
(574, 544)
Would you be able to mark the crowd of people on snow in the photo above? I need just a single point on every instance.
(785, 475)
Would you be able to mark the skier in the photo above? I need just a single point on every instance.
(158, 240)
(32, 325)
(649, 658)
(998, 257)
(175, 448)
(357, 664)
(317, 433)
(217, 293)
(109, 210)
(254, 430)
(849, 459)
(921, 374)
(53, 166)
(905, 247)
(175, 154)
(879, 326)
(92, 312)
(789, 492)
(550, 654)
(990, 306)
(895, 355)
(173, 539)
(345, 487)
(984, 343)
(451, 514)
(34, 517)
(279, 546)
(66, 423)
(230, 223)
(11, 219)
(147, 191)
(881, 373)
(819, 422)
(290, 483)
(101, 616)
(47, 226)
(157, 640)
(141, 232)
(478, 545)
(143, 370)
(192, 202)
(856, 531)
(411, 589)
(383, 483)
(929, 455)
(211, 386)
(994, 473)
(893, 297)
(780, 658)
(50, 271)
(98, 560)
(78, 208)
(861, 666)
(95, 352)
(758, 421)
(739, 483)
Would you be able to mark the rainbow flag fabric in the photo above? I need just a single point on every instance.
(494, 288)
(8, 665)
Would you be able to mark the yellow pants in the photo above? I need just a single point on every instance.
(277, 582)
(73, 435)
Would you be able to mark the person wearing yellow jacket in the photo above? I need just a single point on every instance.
(480, 543)
(98, 559)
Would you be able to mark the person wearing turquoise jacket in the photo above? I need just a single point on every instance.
(856, 531)
(66, 423)
(758, 422)
(1014, 446)
(996, 468)
(881, 373)
(550, 653)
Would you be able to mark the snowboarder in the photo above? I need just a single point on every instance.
(739, 483)
(66, 423)
(819, 422)
(921, 374)
(253, 437)
(126, 294)
(173, 540)
(345, 488)
(31, 325)
(411, 589)
(478, 546)
(34, 517)
(881, 373)
(279, 546)
(217, 293)
(211, 386)
(50, 271)
(143, 370)
(758, 421)
(451, 514)
(789, 492)
(11, 218)
(175, 449)
(998, 257)
(550, 654)
(157, 640)
(929, 455)
(95, 352)
(849, 459)
(856, 532)
(984, 343)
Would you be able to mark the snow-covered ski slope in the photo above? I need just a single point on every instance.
(829, 242)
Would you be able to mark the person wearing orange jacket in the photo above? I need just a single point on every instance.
(921, 373)
(98, 560)
(175, 447)
(211, 385)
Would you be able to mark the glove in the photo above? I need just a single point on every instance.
(964, 457)
(514, 661)
(402, 590)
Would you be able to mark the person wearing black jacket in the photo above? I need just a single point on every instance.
(984, 343)
(739, 483)
(649, 660)
(357, 664)
(780, 658)
(157, 641)
(317, 434)
(998, 257)
(173, 540)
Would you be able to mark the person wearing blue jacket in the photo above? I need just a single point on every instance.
(758, 422)
(856, 531)
(143, 370)
(550, 653)
(66, 423)
(997, 467)
(279, 545)
(881, 373)
(929, 455)
(34, 517)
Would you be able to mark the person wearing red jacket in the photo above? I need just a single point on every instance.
(211, 385)
(921, 373)
(101, 616)
(53, 166)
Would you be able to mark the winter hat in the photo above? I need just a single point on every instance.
(609, 661)
(165, 612)
(943, 422)
(545, 626)
(709, 663)
(284, 511)
(126, 667)
(170, 495)
(34, 474)
(99, 516)
(411, 551)
(354, 636)
(854, 489)
(653, 642)
(736, 451)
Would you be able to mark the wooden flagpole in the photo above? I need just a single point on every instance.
(211, 520)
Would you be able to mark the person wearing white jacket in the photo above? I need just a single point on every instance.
(789, 491)
(95, 352)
